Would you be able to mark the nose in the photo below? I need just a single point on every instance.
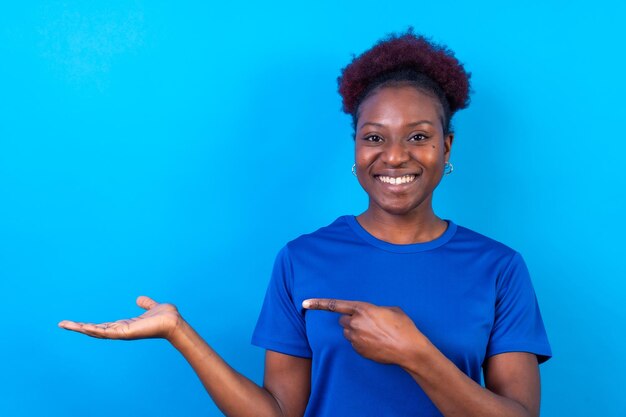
(395, 153)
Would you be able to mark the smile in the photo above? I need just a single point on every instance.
(396, 180)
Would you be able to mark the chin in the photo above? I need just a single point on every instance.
(399, 207)
(397, 210)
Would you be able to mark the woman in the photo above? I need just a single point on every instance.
(461, 301)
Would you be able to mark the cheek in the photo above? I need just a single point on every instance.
(436, 152)
(363, 156)
(429, 155)
(434, 157)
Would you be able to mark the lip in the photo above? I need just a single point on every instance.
(395, 174)
(396, 187)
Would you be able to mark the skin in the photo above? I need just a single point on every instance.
(387, 335)
(286, 386)
(399, 132)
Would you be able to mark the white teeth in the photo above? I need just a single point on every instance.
(396, 180)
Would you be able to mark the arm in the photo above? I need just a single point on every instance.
(286, 381)
(287, 378)
(511, 380)
(388, 335)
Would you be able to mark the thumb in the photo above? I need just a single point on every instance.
(145, 302)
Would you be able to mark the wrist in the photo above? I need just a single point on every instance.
(417, 354)
(177, 331)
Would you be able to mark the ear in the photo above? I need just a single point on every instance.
(447, 145)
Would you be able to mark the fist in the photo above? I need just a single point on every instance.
(382, 334)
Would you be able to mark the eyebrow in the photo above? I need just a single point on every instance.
(407, 125)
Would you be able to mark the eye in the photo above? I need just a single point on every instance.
(373, 138)
(418, 137)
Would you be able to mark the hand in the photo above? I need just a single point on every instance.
(159, 321)
(382, 334)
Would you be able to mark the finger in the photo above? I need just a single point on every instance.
(103, 330)
(89, 327)
(89, 330)
(72, 325)
(94, 331)
(330, 304)
(146, 302)
(345, 321)
(69, 325)
(85, 328)
(347, 333)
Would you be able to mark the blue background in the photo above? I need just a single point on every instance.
(171, 149)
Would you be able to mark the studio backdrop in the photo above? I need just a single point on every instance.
(172, 148)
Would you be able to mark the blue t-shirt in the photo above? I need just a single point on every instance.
(470, 295)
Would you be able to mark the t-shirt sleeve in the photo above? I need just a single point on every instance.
(281, 325)
(518, 326)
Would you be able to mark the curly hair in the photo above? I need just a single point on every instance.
(406, 59)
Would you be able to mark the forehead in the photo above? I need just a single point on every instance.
(399, 105)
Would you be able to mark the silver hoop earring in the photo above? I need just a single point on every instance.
(354, 170)
(448, 168)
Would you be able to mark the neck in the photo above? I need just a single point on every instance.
(402, 229)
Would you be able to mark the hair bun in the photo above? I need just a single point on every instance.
(411, 52)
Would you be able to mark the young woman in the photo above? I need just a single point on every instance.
(393, 312)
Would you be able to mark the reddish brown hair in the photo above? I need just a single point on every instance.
(411, 58)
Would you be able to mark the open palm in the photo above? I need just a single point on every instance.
(157, 322)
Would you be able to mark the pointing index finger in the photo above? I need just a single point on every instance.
(333, 305)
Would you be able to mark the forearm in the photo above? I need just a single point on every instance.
(233, 393)
(453, 392)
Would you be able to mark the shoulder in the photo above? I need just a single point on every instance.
(471, 238)
(507, 264)
(329, 235)
(484, 249)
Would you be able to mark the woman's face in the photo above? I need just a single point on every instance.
(400, 149)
